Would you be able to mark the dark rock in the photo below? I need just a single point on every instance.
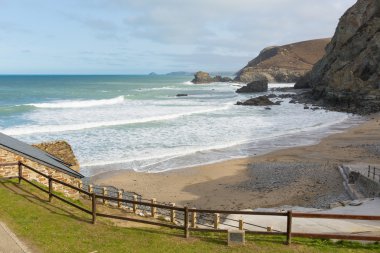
(268, 108)
(293, 101)
(182, 95)
(255, 86)
(257, 101)
(306, 107)
(286, 95)
(272, 96)
(221, 79)
(347, 77)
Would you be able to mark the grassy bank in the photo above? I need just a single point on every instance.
(56, 227)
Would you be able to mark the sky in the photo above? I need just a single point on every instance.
(143, 36)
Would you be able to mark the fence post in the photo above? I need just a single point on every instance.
(374, 170)
(369, 170)
(216, 220)
(241, 225)
(134, 204)
(153, 209)
(105, 193)
(289, 228)
(93, 208)
(119, 196)
(193, 218)
(50, 188)
(186, 224)
(172, 213)
(19, 172)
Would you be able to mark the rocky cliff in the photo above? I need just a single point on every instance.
(348, 76)
(283, 63)
(61, 150)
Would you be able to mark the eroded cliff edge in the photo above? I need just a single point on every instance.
(347, 78)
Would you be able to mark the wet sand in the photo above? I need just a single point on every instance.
(305, 176)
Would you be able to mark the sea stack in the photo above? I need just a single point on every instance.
(204, 77)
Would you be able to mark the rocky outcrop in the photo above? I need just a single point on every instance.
(348, 77)
(255, 86)
(204, 77)
(61, 150)
(258, 101)
(283, 63)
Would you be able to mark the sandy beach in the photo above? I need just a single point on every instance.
(305, 176)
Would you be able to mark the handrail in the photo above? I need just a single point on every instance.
(289, 214)
(8, 164)
(177, 208)
(237, 212)
(335, 216)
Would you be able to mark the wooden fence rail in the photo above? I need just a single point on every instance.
(193, 211)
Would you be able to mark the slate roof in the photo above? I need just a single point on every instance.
(37, 155)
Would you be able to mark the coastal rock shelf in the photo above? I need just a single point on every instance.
(255, 86)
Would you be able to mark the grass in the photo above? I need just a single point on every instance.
(57, 227)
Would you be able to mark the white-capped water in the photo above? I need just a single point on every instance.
(147, 127)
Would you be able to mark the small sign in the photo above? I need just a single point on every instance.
(236, 237)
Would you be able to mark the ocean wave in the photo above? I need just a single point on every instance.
(79, 103)
(188, 83)
(33, 129)
(10, 110)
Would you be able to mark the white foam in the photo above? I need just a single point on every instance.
(281, 85)
(79, 103)
(188, 83)
(33, 129)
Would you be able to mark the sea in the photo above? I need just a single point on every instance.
(137, 122)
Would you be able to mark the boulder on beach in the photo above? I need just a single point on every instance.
(182, 95)
(255, 86)
(257, 101)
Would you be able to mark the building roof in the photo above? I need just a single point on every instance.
(37, 155)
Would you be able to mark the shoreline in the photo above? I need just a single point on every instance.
(256, 147)
(301, 175)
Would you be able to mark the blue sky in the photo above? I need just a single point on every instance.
(141, 36)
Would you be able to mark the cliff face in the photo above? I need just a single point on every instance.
(283, 63)
(349, 74)
(61, 150)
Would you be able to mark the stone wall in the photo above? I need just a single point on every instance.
(369, 188)
(9, 171)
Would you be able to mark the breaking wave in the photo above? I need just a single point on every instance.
(80, 103)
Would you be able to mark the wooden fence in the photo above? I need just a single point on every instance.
(192, 212)
(372, 173)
